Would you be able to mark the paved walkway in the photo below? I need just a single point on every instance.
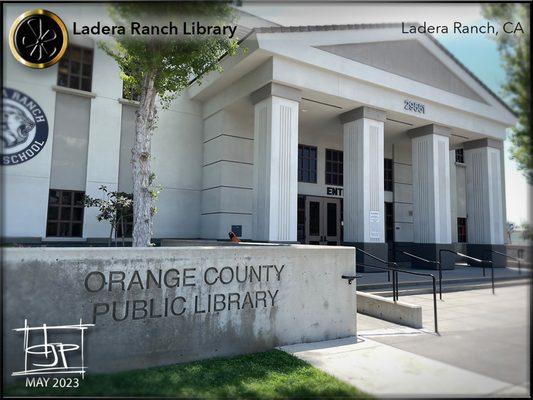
(483, 349)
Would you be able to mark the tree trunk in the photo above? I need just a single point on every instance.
(141, 164)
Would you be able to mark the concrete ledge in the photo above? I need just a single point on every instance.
(383, 308)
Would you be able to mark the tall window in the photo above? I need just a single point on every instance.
(334, 159)
(65, 213)
(459, 156)
(389, 222)
(307, 163)
(76, 68)
(461, 230)
(301, 219)
(388, 183)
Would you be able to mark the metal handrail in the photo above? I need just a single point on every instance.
(376, 258)
(467, 257)
(395, 294)
(429, 262)
(396, 290)
(508, 256)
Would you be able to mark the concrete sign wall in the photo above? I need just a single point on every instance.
(160, 306)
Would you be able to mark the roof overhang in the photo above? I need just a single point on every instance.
(301, 45)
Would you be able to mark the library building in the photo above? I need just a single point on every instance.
(332, 135)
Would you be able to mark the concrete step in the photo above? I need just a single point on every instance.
(406, 291)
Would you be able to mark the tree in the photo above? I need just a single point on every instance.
(159, 67)
(113, 207)
(515, 53)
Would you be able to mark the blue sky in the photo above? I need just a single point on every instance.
(477, 52)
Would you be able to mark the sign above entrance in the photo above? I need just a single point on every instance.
(333, 191)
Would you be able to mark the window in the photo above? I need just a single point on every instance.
(301, 219)
(65, 213)
(127, 222)
(461, 230)
(388, 183)
(334, 167)
(307, 163)
(76, 68)
(389, 222)
(459, 156)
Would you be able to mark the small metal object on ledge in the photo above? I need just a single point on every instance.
(350, 278)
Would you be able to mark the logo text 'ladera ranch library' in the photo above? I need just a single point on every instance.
(187, 28)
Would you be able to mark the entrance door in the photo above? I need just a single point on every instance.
(323, 217)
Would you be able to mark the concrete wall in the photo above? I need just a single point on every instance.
(227, 173)
(300, 297)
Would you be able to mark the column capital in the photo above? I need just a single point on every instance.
(278, 90)
(363, 112)
(431, 129)
(486, 142)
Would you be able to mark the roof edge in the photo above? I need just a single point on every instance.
(342, 27)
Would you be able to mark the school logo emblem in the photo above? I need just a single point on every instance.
(24, 127)
(38, 39)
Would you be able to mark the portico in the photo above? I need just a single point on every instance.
(341, 148)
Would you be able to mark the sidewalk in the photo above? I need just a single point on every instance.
(483, 348)
(385, 371)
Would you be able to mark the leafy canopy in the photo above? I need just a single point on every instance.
(173, 60)
(515, 53)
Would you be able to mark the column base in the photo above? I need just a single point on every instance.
(429, 251)
(483, 252)
(379, 250)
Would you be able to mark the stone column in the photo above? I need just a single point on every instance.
(484, 197)
(364, 200)
(431, 190)
(275, 171)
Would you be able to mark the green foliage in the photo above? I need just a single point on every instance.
(113, 207)
(173, 60)
(515, 53)
(268, 375)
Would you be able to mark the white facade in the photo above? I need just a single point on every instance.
(226, 151)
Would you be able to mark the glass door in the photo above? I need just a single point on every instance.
(313, 218)
(322, 220)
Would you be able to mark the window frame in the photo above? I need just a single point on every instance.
(332, 177)
(60, 220)
(462, 237)
(312, 169)
(388, 174)
(69, 75)
(459, 156)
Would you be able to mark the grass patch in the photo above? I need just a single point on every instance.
(272, 374)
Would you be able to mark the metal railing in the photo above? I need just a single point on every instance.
(508, 256)
(395, 269)
(469, 258)
(395, 294)
(437, 263)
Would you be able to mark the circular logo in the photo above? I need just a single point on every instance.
(38, 39)
(24, 127)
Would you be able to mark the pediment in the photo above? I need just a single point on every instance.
(407, 58)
